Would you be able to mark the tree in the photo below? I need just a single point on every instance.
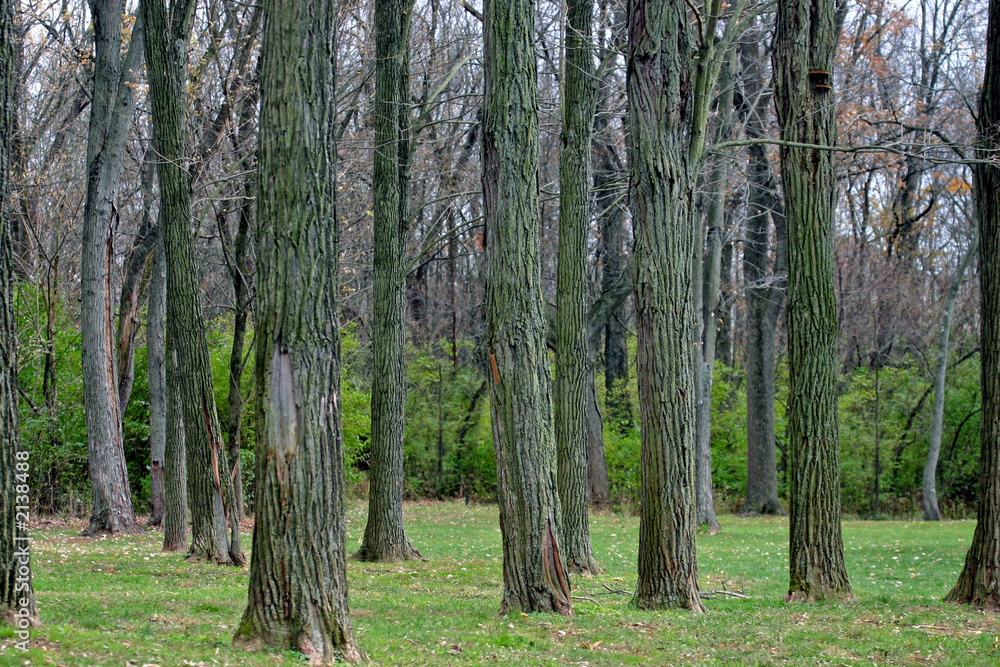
(166, 60)
(110, 112)
(384, 538)
(236, 249)
(175, 478)
(574, 365)
(17, 596)
(156, 371)
(928, 494)
(608, 178)
(298, 581)
(765, 293)
(804, 42)
(708, 292)
(979, 583)
(659, 92)
(534, 579)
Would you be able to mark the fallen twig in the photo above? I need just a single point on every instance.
(615, 591)
(708, 595)
(584, 597)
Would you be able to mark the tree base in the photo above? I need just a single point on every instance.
(771, 507)
(102, 528)
(816, 595)
(395, 553)
(203, 556)
(252, 639)
(691, 602)
(976, 587)
(589, 569)
(713, 526)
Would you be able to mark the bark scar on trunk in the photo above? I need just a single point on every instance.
(282, 397)
(212, 445)
(555, 576)
(496, 372)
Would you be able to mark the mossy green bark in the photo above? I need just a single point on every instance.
(659, 86)
(804, 43)
(385, 539)
(521, 402)
(574, 361)
(297, 598)
(189, 368)
(979, 582)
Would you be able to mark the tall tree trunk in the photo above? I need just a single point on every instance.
(709, 269)
(929, 486)
(17, 595)
(609, 212)
(804, 43)
(157, 373)
(765, 294)
(979, 582)
(175, 478)
(110, 113)
(240, 269)
(50, 379)
(128, 303)
(297, 598)
(530, 514)
(659, 82)
(166, 58)
(574, 369)
(607, 173)
(385, 539)
(724, 338)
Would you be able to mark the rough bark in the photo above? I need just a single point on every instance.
(724, 317)
(385, 539)
(298, 580)
(166, 58)
(659, 82)
(574, 367)
(530, 514)
(110, 112)
(240, 271)
(979, 583)
(708, 279)
(765, 292)
(804, 43)
(157, 374)
(131, 292)
(929, 486)
(17, 596)
(175, 478)
(607, 173)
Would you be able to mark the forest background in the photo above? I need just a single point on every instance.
(906, 80)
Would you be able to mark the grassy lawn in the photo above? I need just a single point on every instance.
(119, 601)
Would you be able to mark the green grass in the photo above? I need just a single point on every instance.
(119, 601)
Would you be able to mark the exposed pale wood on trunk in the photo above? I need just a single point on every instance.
(297, 597)
(515, 320)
